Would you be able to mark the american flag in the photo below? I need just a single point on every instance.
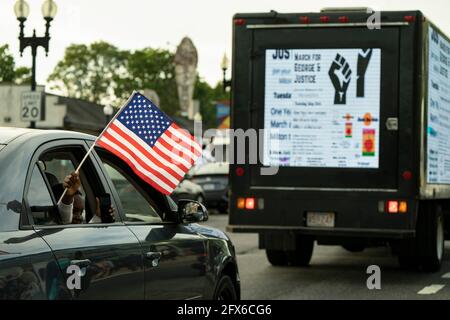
(154, 146)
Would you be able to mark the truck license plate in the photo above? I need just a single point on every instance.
(320, 219)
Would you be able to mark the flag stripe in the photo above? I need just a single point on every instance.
(164, 159)
(189, 146)
(139, 151)
(175, 158)
(179, 146)
(180, 133)
(142, 176)
(149, 166)
(134, 164)
(172, 148)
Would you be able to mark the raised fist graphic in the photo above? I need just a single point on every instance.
(363, 61)
(340, 75)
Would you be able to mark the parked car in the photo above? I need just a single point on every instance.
(213, 178)
(153, 250)
(188, 189)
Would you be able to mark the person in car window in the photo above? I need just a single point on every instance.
(71, 206)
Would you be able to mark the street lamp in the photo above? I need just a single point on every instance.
(22, 10)
(224, 65)
(108, 111)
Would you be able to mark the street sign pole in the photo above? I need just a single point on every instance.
(33, 77)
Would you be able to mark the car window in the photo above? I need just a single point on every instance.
(39, 199)
(136, 207)
(57, 165)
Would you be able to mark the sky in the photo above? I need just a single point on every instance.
(135, 24)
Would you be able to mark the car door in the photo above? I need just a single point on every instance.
(174, 255)
(106, 258)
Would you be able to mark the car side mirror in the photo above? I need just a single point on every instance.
(191, 211)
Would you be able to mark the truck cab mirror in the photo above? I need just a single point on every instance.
(191, 211)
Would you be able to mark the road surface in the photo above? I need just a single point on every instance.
(334, 273)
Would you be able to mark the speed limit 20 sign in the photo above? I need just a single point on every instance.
(31, 106)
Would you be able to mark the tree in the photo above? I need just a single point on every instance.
(87, 72)
(8, 71)
(208, 97)
(150, 69)
(102, 73)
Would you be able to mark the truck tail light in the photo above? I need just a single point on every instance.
(403, 207)
(241, 203)
(304, 19)
(395, 206)
(343, 19)
(250, 203)
(407, 175)
(239, 22)
(324, 19)
(392, 206)
(240, 171)
(409, 18)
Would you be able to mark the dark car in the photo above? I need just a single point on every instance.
(153, 249)
(213, 178)
(188, 189)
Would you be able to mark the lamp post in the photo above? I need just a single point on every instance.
(108, 111)
(22, 10)
(224, 65)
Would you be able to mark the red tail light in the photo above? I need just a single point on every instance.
(407, 175)
(249, 203)
(343, 19)
(240, 171)
(324, 19)
(239, 22)
(392, 206)
(409, 18)
(304, 19)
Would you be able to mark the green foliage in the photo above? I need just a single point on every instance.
(102, 73)
(87, 72)
(208, 97)
(150, 69)
(8, 71)
(22, 75)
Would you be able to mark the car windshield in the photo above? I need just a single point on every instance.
(212, 168)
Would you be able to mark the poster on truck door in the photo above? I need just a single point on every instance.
(438, 126)
(322, 108)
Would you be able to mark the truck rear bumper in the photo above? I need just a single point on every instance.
(332, 232)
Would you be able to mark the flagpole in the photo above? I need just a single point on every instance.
(77, 170)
